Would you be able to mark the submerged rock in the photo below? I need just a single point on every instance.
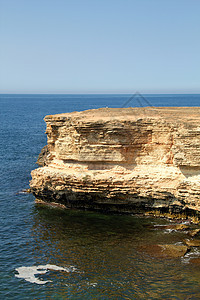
(122, 160)
(195, 261)
(174, 250)
(166, 250)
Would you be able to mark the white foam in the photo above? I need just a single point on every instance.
(93, 284)
(195, 253)
(169, 230)
(28, 273)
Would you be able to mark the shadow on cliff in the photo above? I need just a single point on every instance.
(188, 171)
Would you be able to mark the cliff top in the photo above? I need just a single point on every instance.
(171, 114)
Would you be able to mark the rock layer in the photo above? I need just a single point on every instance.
(122, 159)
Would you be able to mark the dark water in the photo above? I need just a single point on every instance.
(103, 254)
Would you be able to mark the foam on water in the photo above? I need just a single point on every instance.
(195, 253)
(28, 273)
(169, 230)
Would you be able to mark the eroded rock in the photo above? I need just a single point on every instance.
(122, 160)
(44, 157)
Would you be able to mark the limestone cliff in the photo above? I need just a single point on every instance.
(122, 159)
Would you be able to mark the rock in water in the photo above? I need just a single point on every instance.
(122, 160)
(192, 243)
(179, 227)
(165, 250)
(173, 251)
(194, 232)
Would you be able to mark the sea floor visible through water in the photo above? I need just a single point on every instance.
(51, 253)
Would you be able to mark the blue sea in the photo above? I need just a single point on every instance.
(50, 253)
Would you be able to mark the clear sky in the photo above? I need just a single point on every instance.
(99, 46)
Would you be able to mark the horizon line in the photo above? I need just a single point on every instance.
(108, 93)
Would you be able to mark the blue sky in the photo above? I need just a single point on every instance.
(99, 46)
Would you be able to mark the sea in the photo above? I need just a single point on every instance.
(50, 253)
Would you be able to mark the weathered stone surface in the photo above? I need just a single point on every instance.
(44, 157)
(122, 159)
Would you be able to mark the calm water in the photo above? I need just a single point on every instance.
(103, 254)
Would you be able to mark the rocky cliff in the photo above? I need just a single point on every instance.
(122, 159)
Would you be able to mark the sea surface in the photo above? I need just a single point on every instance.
(50, 253)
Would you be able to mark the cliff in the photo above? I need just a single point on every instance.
(122, 159)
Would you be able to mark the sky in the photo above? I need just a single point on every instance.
(99, 46)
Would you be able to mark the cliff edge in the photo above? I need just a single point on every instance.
(122, 159)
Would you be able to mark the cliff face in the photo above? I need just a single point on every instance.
(122, 159)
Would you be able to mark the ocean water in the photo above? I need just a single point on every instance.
(49, 253)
